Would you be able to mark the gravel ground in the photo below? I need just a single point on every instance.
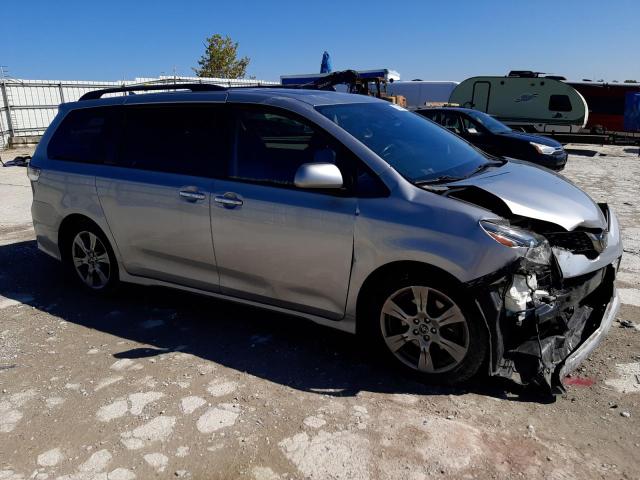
(155, 383)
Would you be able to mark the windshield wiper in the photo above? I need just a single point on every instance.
(440, 179)
(484, 166)
(451, 178)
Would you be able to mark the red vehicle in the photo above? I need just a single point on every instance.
(606, 104)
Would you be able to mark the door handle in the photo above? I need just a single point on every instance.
(227, 200)
(192, 196)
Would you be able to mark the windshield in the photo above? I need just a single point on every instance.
(488, 122)
(417, 148)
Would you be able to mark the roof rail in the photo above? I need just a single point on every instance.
(194, 87)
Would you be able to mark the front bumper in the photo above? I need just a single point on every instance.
(579, 354)
(553, 162)
(555, 336)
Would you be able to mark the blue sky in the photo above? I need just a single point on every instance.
(450, 40)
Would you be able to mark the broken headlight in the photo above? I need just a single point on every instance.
(538, 248)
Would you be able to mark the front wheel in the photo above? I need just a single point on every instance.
(430, 331)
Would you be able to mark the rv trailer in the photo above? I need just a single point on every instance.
(527, 102)
(420, 92)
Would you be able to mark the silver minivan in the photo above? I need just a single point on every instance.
(343, 209)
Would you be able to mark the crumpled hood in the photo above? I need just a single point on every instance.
(537, 193)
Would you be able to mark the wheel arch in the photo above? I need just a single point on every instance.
(396, 270)
(67, 226)
(465, 297)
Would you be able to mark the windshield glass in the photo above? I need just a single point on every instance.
(417, 148)
(488, 122)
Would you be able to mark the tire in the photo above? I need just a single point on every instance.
(428, 329)
(89, 258)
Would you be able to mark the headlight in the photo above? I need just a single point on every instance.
(543, 149)
(538, 249)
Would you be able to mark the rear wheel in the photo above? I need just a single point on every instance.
(91, 259)
(430, 331)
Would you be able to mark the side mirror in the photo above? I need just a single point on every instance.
(318, 175)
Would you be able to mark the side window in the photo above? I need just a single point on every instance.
(270, 146)
(437, 117)
(185, 139)
(468, 124)
(559, 103)
(451, 122)
(85, 135)
(368, 185)
(427, 114)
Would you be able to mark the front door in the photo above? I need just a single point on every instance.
(157, 197)
(276, 243)
(479, 136)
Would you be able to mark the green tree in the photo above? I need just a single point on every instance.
(630, 81)
(220, 59)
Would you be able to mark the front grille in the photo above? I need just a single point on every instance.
(575, 242)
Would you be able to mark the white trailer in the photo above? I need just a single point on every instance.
(533, 103)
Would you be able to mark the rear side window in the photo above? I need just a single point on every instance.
(559, 103)
(185, 139)
(85, 135)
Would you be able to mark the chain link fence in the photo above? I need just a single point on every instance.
(27, 107)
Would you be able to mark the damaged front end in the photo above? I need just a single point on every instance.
(548, 309)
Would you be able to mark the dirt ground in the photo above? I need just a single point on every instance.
(161, 384)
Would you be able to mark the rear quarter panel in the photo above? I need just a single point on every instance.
(63, 189)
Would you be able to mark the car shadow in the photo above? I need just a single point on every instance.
(276, 347)
(581, 152)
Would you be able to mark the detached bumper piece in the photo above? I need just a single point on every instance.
(544, 343)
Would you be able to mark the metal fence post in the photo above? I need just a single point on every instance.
(61, 91)
(5, 99)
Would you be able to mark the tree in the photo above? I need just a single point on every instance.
(630, 81)
(220, 59)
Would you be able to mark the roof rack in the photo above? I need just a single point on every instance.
(194, 87)
(524, 74)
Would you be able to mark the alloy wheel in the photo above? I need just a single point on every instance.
(91, 260)
(425, 329)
